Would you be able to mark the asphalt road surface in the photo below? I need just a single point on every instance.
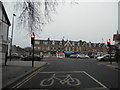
(73, 74)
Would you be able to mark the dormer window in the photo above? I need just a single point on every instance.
(78, 43)
(73, 43)
(53, 42)
(60, 42)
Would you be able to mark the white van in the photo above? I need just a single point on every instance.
(61, 55)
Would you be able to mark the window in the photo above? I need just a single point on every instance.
(45, 42)
(60, 42)
(78, 43)
(73, 49)
(0, 27)
(69, 49)
(36, 42)
(73, 43)
(66, 48)
(38, 47)
(48, 48)
(53, 42)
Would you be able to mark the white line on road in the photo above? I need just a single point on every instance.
(19, 84)
(95, 79)
(64, 72)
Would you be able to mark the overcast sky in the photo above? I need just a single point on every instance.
(88, 21)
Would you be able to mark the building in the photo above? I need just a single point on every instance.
(4, 28)
(51, 47)
(20, 51)
(116, 37)
(118, 17)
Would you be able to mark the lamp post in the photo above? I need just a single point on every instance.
(11, 36)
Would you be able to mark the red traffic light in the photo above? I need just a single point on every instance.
(108, 43)
(32, 38)
(33, 35)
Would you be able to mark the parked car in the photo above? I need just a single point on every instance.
(74, 56)
(83, 56)
(79, 56)
(94, 55)
(106, 57)
(61, 55)
(30, 58)
(14, 55)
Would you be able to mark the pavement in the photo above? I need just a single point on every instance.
(18, 69)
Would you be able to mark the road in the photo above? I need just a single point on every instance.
(71, 73)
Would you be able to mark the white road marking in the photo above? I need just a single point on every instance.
(19, 84)
(64, 72)
(80, 72)
(95, 79)
(67, 79)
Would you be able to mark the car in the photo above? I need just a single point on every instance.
(94, 55)
(82, 56)
(61, 55)
(30, 58)
(106, 57)
(14, 55)
(74, 56)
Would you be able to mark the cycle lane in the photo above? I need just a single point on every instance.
(61, 80)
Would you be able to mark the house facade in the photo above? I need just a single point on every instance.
(20, 51)
(119, 17)
(116, 37)
(4, 28)
(51, 47)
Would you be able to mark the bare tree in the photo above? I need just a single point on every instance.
(34, 15)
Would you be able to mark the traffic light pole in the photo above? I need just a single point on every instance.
(32, 42)
(33, 56)
(110, 55)
(109, 52)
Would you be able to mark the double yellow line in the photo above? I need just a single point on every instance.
(26, 79)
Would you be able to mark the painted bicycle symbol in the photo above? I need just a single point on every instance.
(64, 79)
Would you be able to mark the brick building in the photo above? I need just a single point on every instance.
(51, 47)
(116, 37)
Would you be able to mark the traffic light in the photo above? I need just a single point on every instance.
(32, 38)
(108, 43)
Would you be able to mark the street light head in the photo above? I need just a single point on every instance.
(14, 15)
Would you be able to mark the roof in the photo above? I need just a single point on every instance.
(3, 9)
